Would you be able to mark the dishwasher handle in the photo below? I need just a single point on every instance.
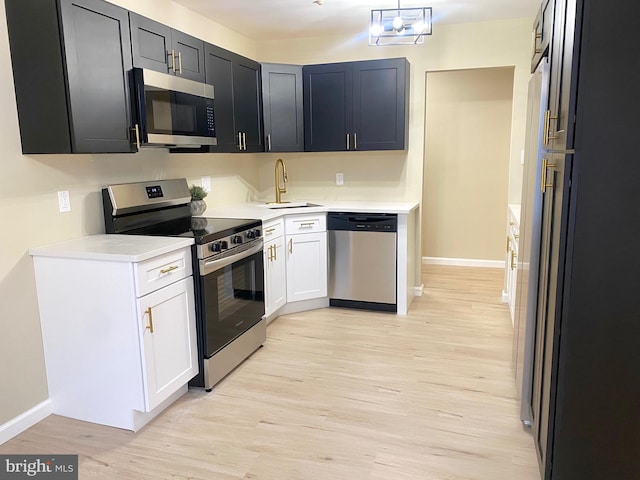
(367, 222)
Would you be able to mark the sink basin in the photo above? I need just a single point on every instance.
(289, 205)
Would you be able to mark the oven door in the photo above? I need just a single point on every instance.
(232, 297)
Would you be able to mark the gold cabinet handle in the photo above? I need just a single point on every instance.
(291, 245)
(543, 180)
(180, 63)
(170, 269)
(307, 224)
(136, 129)
(275, 252)
(269, 230)
(508, 244)
(150, 326)
(546, 134)
(172, 54)
(513, 259)
(348, 143)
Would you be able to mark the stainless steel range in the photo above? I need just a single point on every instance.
(227, 263)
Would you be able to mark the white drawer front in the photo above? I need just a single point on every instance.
(305, 223)
(163, 270)
(273, 229)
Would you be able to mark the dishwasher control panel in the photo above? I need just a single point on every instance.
(372, 222)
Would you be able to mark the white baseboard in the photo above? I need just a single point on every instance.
(505, 297)
(25, 420)
(417, 291)
(463, 262)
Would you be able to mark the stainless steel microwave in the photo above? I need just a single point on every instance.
(171, 111)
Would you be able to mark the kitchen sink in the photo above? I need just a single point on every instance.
(289, 205)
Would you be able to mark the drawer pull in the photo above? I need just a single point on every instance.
(270, 230)
(170, 269)
(291, 245)
(150, 326)
(307, 224)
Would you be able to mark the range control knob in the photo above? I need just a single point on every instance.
(257, 233)
(236, 239)
(224, 245)
(215, 247)
(253, 233)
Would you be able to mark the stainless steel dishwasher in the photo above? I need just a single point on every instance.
(363, 260)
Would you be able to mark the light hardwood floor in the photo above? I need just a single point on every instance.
(338, 394)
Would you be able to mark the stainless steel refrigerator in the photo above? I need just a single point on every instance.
(529, 242)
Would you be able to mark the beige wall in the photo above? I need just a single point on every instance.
(28, 185)
(466, 168)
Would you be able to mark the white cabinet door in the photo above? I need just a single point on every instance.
(167, 326)
(275, 275)
(306, 266)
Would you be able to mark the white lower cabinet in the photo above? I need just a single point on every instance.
(306, 247)
(119, 336)
(166, 325)
(275, 283)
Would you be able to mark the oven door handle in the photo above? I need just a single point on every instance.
(207, 267)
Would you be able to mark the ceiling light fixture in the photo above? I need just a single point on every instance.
(399, 26)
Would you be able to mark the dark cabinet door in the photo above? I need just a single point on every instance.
(559, 122)
(188, 55)
(380, 106)
(160, 48)
(555, 181)
(247, 101)
(328, 107)
(237, 102)
(282, 107)
(72, 90)
(542, 33)
(97, 48)
(151, 43)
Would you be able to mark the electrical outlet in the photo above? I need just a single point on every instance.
(206, 183)
(339, 178)
(64, 203)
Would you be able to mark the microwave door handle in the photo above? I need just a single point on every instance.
(138, 107)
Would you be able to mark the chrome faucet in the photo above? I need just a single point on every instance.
(283, 189)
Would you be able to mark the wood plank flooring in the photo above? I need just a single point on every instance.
(338, 394)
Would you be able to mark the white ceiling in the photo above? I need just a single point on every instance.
(278, 19)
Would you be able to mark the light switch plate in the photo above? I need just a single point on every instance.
(339, 178)
(206, 183)
(64, 203)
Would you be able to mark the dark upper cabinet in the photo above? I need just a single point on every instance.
(542, 33)
(70, 63)
(356, 105)
(282, 107)
(238, 100)
(328, 111)
(158, 47)
(558, 121)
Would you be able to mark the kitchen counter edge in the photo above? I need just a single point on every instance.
(112, 247)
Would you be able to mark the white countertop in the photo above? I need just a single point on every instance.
(261, 211)
(113, 248)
